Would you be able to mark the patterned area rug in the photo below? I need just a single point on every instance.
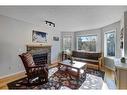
(59, 79)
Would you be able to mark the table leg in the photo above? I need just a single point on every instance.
(85, 68)
(78, 75)
(59, 66)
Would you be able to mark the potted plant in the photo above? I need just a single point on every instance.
(123, 60)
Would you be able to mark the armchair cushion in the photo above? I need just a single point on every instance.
(27, 57)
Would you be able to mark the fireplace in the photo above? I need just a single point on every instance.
(40, 53)
(40, 58)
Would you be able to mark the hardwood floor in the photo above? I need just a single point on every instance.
(109, 74)
(3, 82)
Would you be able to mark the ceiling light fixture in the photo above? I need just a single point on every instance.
(50, 23)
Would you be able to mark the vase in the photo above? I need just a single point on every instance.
(123, 60)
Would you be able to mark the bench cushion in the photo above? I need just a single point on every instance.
(86, 55)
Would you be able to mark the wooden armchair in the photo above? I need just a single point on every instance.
(34, 71)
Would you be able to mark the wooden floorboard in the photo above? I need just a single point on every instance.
(6, 80)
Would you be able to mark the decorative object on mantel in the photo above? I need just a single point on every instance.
(121, 44)
(123, 60)
(56, 38)
(50, 23)
(121, 38)
(38, 36)
(121, 34)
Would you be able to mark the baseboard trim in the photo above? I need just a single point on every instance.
(5, 76)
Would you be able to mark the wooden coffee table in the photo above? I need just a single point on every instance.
(76, 66)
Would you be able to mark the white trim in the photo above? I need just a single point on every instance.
(9, 75)
(113, 69)
(105, 55)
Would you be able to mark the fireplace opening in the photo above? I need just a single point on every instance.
(40, 59)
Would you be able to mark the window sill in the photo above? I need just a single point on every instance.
(110, 57)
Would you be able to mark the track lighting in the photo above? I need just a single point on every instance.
(50, 23)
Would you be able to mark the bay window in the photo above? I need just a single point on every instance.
(87, 43)
(109, 44)
(67, 42)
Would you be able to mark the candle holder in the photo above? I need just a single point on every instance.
(71, 60)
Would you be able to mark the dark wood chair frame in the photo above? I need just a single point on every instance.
(35, 71)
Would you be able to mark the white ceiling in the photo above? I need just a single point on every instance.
(67, 18)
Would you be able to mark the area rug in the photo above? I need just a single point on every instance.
(60, 79)
(111, 83)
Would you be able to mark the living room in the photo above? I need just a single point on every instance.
(92, 37)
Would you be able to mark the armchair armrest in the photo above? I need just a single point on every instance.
(100, 61)
(36, 66)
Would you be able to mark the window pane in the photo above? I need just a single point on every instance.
(110, 43)
(87, 43)
(67, 43)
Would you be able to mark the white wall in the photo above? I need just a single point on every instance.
(125, 33)
(14, 35)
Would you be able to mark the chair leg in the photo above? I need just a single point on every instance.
(46, 79)
(28, 80)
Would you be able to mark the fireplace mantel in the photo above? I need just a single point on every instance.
(38, 46)
(40, 49)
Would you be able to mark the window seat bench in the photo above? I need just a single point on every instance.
(91, 58)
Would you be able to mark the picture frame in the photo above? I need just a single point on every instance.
(55, 38)
(39, 37)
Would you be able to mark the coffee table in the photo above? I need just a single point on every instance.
(76, 66)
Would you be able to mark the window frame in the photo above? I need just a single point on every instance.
(105, 44)
(86, 36)
(65, 36)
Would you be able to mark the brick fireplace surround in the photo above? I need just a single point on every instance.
(40, 50)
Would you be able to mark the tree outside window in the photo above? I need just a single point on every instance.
(67, 43)
(110, 43)
(87, 43)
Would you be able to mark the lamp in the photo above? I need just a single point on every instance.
(69, 54)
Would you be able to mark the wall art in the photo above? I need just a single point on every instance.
(56, 38)
(38, 36)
